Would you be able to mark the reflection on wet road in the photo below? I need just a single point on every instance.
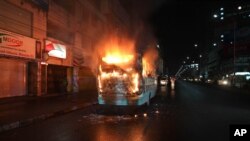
(189, 111)
(99, 119)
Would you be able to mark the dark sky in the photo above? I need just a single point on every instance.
(178, 25)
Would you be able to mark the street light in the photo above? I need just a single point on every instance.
(215, 16)
(195, 45)
(239, 7)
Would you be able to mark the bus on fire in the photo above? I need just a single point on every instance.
(126, 79)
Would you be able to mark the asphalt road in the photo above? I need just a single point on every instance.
(188, 112)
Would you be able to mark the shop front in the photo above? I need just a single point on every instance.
(13, 78)
(57, 79)
(16, 52)
(56, 70)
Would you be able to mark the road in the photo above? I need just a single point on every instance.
(188, 112)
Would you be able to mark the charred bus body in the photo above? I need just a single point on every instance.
(124, 81)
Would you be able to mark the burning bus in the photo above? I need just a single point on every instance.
(125, 77)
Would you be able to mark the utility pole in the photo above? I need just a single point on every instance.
(234, 53)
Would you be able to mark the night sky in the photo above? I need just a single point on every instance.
(178, 25)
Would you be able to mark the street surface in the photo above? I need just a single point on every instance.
(188, 112)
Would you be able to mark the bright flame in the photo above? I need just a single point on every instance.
(128, 78)
(149, 62)
(121, 68)
(136, 82)
(111, 74)
(117, 51)
(118, 74)
(117, 58)
(99, 84)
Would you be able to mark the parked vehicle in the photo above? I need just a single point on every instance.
(163, 80)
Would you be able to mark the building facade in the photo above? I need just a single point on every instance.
(229, 55)
(22, 31)
(46, 46)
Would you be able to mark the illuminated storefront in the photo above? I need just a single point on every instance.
(56, 68)
(16, 52)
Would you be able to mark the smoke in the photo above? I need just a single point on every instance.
(133, 37)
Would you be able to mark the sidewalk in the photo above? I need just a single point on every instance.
(21, 111)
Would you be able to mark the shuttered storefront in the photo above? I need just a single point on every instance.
(13, 72)
(13, 78)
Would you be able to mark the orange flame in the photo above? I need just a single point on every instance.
(149, 62)
(118, 51)
(117, 58)
(121, 53)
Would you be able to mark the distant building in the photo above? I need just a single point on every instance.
(230, 52)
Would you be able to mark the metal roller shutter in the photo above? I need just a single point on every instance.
(13, 78)
(15, 19)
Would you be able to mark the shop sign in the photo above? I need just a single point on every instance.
(55, 49)
(17, 45)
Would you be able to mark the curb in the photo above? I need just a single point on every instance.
(28, 121)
